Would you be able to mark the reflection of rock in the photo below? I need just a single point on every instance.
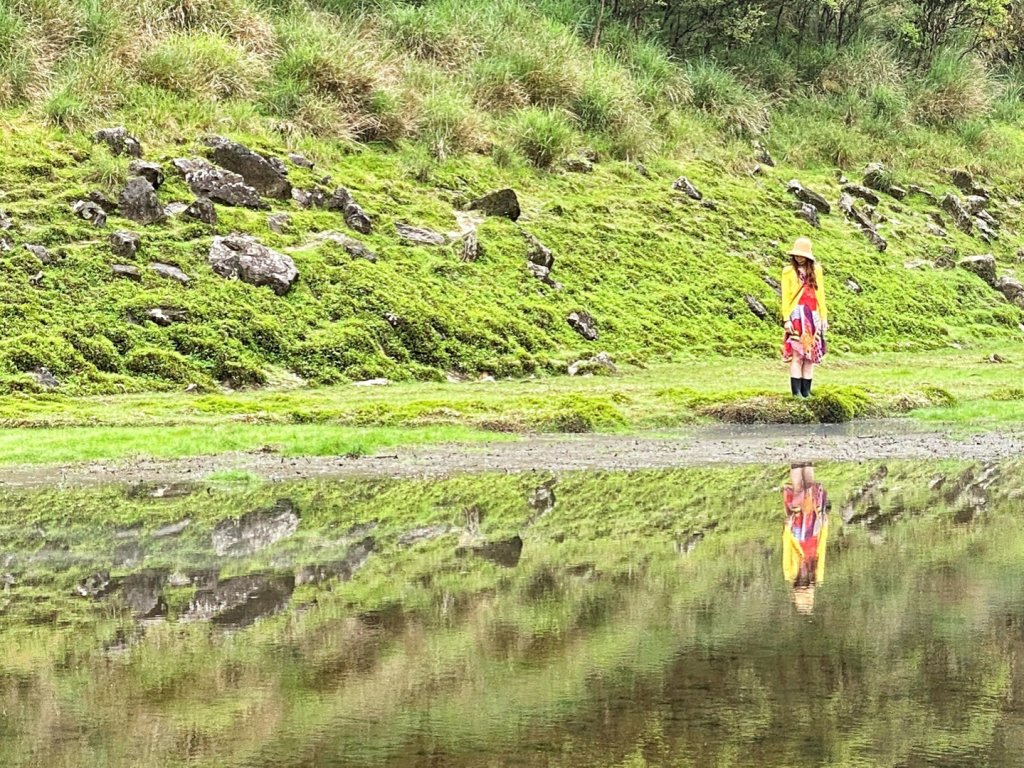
(173, 529)
(95, 585)
(241, 601)
(143, 594)
(505, 553)
(423, 533)
(256, 530)
(861, 496)
(164, 491)
(541, 500)
(343, 569)
(687, 545)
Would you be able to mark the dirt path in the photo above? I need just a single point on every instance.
(718, 445)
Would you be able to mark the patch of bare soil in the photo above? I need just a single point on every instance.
(715, 445)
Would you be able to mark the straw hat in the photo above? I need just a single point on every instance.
(803, 599)
(802, 247)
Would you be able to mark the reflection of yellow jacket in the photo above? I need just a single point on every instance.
(793, 555)
(791, 291)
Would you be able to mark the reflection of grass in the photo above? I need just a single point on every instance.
(42, 446)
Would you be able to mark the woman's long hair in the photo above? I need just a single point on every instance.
(811, 279)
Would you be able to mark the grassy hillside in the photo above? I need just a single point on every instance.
(419, 109)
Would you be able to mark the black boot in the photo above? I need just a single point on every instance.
(794, 385)
(805, 387)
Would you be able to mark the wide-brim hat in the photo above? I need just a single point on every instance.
(802, 247)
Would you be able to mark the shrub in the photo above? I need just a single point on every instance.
(30, 351)
(954, 88)
(205, 66)
(718, 92)
(98, 350)
(576, 413)
(544, 136)
(448, 122)
(163, 364)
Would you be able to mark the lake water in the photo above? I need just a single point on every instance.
(840, 615)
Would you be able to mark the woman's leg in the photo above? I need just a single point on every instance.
(806, 375)
(795, 374)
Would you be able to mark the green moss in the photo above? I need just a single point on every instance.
(577, 413)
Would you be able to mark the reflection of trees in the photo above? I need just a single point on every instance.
(592, 651)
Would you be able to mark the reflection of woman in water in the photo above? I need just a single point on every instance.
(805, 534)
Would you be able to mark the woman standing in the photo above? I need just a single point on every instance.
(804, 315)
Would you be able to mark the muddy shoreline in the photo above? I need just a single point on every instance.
(700, 447)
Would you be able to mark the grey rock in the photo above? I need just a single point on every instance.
(419, 235)
(300, 160)
(35, 279)
(151, 172)
(358, 219)
(471, 248)
(865, 194)
(127, 272)
(601, 364)
(170, 272)
(642, 170)
(124, 244)
(538, 253)
(809, 213)
(239, 602)
(41, 253)
(584, 324)
(265, 177)
(89, 211)
(896, 191)
(501, 202)
(6, 244)
(45, 378)
(964, 181)
(915, 189)
(138, 202)
(756, 306)
(279, 223)
(217, 184)
(119, 141)
(104, 202)
(984, 266)
(863, 222)
(808, 196)
(339, 200)
(343, 569)
(165, 316)
(975, 204)
(990, 220)
(171, 530)
(987, 233)
(201, 209)
(853, 286)
(684, 185)
(6, 222)
(352, 247)
(1011, 288)
(762, 154)
(372, 383)
(935, 230)
(875, 177)
(175, 209)
(242, 257)
(772, 283)
(579, 164)
(256, 530)
(313, 198)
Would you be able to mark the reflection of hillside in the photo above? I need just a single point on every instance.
(589, 649)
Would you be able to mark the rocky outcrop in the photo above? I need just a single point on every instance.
(170, 272)
(424, 533)
(244, 258)
(809, 213)
(502, 202)
(853, 286)
(124, 244)
(44, 256)
(300, 160)
(201, 209)
(259, 172)
(419, 235)
(756, 307)
(352, 247)
(865, 194)
(471, 248)
(256, 530)
(143, 594)
(89, 211)
(127, 272)
(119, 141)
(151, 172)
(279, 223)
(863, 222)
(165, 316)
(341, 200)
(984, 266)
(217, 184)
(600, 364)
(241, 601)
(343, 569)
(584, 324)
(951, 204)
(684, 185)
(505, 553)
(808, 196)
(138, 202)
(1012, 289)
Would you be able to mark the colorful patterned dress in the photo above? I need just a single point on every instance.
(807, 341)
(805, 534)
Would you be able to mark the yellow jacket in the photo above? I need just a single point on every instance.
(793, 555)
(791, 287)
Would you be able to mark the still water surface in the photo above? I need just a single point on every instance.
(840, 615)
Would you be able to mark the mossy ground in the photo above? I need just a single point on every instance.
(950, 388)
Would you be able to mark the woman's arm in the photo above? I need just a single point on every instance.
(822, 306)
